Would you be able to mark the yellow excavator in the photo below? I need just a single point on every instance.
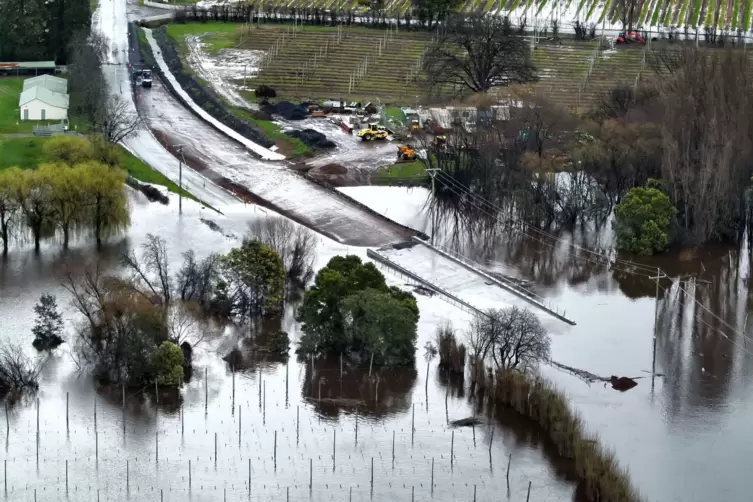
(373, 131)
(406, 153)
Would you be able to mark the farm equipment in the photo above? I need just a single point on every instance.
(406, 153)
(630, 37)
(374, 132)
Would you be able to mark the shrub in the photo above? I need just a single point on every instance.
(168, 365)
(265, 91)
(451, 354)
(279, 342)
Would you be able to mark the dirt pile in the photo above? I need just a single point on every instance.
(286, 110)
(312, 138)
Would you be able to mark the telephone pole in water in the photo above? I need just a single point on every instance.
(659, 276)
(180, 178)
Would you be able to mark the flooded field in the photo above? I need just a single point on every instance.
(305, 420)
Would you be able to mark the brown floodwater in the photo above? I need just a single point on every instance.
(293, 436)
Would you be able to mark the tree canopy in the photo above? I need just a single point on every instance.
(350, 309)
(643, 221)
(478, 53)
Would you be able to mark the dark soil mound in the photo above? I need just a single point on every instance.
(287, 110)
(465, 422)
(332, 169)
(312, 138)
(622, 383)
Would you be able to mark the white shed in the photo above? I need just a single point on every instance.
(40, 103)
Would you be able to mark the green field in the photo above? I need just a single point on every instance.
(223, 35)
(407, 173)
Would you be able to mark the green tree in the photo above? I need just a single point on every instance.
(643, 221)
(10, 180)
(48, 324)
(334, 323)
(254, 278)
(67, 197)
(105, 198)
(168, 365)
(380, 325)
(34, 198)
(430, 12)
(68, 149)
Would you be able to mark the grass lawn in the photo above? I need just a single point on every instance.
(25, 153)
(404, 173)
(222, 35)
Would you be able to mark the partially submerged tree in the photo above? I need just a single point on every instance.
(18, 373)
(9, 204)
(295, 244)
(151, 272)
(478, 53)
(119, 120)
(512, 338)
(48, 324)
(168, 365)
(644, 220)
(351, 310)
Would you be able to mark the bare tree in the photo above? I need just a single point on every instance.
(152, 272)
(18, 373)
(197, 280)
(478, 53)
(120, 120)
(511, 338)
(295, 244)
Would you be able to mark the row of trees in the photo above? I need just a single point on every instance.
(34, 30)
(77, 190)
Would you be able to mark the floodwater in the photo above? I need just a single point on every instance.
(686, 437)
(269, 415)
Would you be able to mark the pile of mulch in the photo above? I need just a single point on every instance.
(286, 110)
(312, 138)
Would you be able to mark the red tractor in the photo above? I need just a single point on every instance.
(630, 37)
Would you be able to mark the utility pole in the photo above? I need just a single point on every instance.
(659, 275)
(433, 172)
(180, 178)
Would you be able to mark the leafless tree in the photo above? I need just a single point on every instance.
(120, 120)
(295, 244)
(477, 53)
(511, 338)
(152, 272)
(196, 280)
(707, 144)
(18, 373)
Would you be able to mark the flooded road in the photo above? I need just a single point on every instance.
(142, 451)
(686, 437)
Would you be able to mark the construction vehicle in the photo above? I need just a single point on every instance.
(439, 143)
(406, 153)
(146, 78)
(630, 37)
(374, 132)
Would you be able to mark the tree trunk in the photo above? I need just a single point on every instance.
(66, 235)
(4, 233)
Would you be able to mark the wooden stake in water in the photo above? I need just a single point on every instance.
(474, 493)
(260, 385)
(297, 422)
(334, 441)
(275, 450)
(215, 447)
(393, 448)
(413, 424)
(528, 495)
(95, 413)
(264, 404)
(37, 416)
(509, 461)
(341, 365)
(66, 476)
(372, 474)
(156, 446)
(124, 419)
(127, 475)
(189, 475)
(371, 363)
(249, 476)
(452, 448)
(7, 422)
(311, 473)
(356, 427)
(206, 390)
(413, 493)
(287, 370)
(156, 392)
(182, 422)
(491, 440)
(232, 369)
(432, 475)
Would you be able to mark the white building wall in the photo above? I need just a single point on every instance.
(35, 108)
